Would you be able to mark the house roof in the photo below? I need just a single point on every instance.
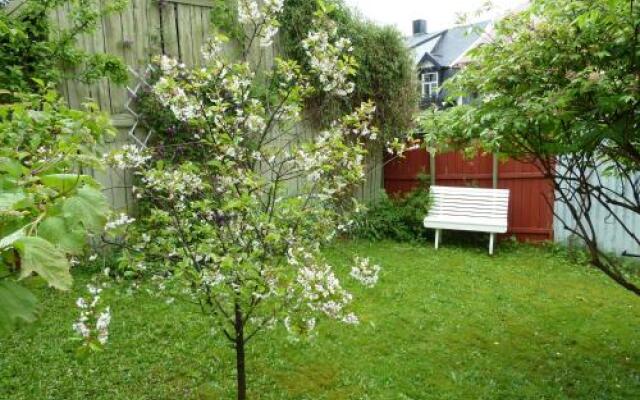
(445, 48)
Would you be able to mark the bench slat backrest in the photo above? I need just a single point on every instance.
(472, 204)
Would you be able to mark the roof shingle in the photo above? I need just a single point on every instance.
(446, 46)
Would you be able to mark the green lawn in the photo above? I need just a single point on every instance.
(452, 324)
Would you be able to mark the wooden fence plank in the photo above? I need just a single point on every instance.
(184, 33)
(56, 18)
(196, 33)
(128, 44)
(170, 31)
(153, 30)
(199, 3)
(72, 84)
(84, 90)
(113, 45)
(205, 20)
(102, 91)
(63, 24)
(141, 36)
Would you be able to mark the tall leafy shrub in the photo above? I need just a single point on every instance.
(386, 72)
(48, 207)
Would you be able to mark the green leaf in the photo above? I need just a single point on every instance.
(11, 167)
(88, 207)
(66, 182)
(43, 258)
(8, 240)
(16, 304)
(57, 231)
(9, 199)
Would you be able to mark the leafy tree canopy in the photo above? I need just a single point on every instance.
(558, 84)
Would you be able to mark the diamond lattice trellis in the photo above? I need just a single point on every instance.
(141, 80)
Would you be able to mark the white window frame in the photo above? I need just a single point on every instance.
(430, 87)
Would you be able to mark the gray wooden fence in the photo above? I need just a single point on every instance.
(143, 30)
(612, 237)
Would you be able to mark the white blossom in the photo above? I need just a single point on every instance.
(364, 272)
(102, 326)
(121, 220)
(176, 184)
(92, 325)
(168, 65)
(329, 58)
(263, 19)
(129, 156)
(351, 319)
(248, 11)
(174, 97)
(320, 288)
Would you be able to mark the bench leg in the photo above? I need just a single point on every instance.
(438, 232)
(492, 238)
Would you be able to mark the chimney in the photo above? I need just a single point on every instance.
(419, 26)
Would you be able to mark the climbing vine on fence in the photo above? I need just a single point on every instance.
(35, 53)
(386, 72)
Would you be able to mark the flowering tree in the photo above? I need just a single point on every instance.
(223, 222)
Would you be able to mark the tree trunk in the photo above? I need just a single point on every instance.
(240, 356)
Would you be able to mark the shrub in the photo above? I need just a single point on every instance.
(385, 75)
(221, 226)
(49, 206)
(396, 218)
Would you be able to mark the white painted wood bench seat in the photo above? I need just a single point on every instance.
(468, 209)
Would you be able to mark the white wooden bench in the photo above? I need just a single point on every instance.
(468, 209)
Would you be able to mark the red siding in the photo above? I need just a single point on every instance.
(530, 216)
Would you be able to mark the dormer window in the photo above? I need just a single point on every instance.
(429, 84)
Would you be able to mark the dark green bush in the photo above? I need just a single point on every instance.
(395, 218)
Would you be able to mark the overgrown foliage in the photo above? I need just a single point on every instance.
(385, 75)
(48, 206)
(559, 86)
(34, 52)
(398, 218)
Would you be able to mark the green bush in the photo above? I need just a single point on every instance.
(35, 54)
(386, 73)
(396, 218)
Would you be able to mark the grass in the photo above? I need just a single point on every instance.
(452, 324)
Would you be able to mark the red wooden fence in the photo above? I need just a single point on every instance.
(530, 217)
